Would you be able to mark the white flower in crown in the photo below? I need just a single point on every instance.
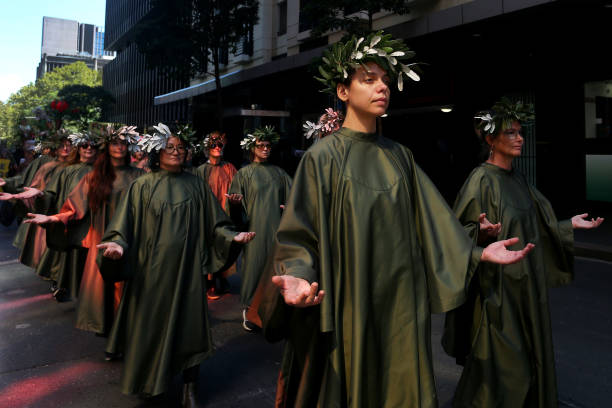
(248, 142)
(490, 126)
(78, 138)
(310, 129)
(157, 140)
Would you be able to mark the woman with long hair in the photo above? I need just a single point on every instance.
(111, 176)
(167, 233)
(502, 334)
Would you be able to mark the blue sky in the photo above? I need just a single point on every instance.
(21, 35)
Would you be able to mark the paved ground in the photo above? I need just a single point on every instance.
(46, 362)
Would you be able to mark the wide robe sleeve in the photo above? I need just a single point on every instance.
(238, 212)
(302, 248)
(556, 239)
(121, 230)
(450, 255)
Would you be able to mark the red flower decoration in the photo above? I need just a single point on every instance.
(53, 104)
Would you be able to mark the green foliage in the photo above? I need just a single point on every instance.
(86, 104)
(353, 16)
(47, 89)
(184, 38)
(344, 57)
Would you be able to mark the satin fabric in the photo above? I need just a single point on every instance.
(31, 238)
(64, 259)
(97, 300)
(264, 188)
(370, 227)
(503, 333)
(219, 178)
(173, 232)
(16, 183)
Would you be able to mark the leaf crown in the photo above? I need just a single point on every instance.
(266, 133)
(501, 116)
(343, 58)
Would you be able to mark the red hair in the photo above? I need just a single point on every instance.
(101, 180)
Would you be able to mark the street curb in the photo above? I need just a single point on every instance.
(9, 262)
(587, 250)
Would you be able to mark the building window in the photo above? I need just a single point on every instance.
(282, 17)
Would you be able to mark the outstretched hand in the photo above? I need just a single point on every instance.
(298, 292)
(234, 198)
(6, 196)
(497, 252)
(40, 219)
(112, 250)
(580, 222)
(28, 192)
(2, 182)
(488, 229)
(244, 237)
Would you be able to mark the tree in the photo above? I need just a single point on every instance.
(21, 103)
(188, 38)
(85, 104)
(353, 16)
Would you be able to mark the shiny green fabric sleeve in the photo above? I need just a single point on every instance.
(220, 232)
(556, 240)
(450, 256)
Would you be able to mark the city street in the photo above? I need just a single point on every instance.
(46, 362)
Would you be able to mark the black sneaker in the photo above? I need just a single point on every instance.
(61, 295)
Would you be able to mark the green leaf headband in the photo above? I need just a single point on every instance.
(342, 58)
(267, 133)
(503, 113)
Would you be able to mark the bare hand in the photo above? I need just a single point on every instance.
(234, 198)
(579, 222)
(497, 252)
(2, 182)
(490, 230)
(40, 219)
(244, 237)
(29, 192)
(6, 196)
(298, 292)
(282, 206)
(112, 250)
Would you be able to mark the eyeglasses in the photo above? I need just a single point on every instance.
(263, 146)
(217, 144)
(180, 149)
(512, 134)
(86, 145)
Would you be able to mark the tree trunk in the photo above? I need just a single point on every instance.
(215, 55)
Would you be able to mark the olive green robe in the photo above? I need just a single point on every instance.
(31, 238)
(173, 232)
(64, 259)
(16, 183)
(264, 188)
(503, 333)
(370, 227)
(97, 299)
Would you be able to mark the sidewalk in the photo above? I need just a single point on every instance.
(595, 243)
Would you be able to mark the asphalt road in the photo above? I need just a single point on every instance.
(46, 362)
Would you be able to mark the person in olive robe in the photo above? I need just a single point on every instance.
(111, 175)
(170, 231)
(63, 262)
(31, 239)
(218, 174)
(502, 334)
(255, 198)
(366, 250)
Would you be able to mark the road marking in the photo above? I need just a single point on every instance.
(23, 326)
(10, 262)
